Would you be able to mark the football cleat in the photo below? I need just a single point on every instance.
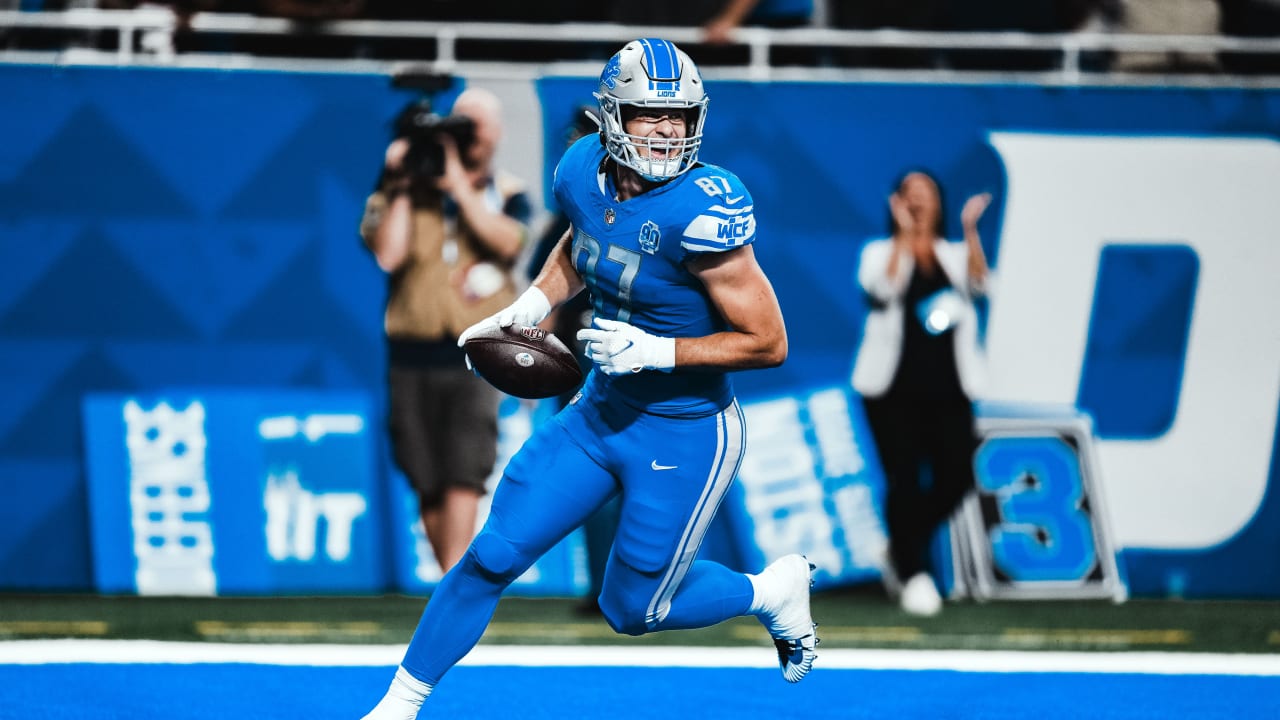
(796, 656)
(787, 616)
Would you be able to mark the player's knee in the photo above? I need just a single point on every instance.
(495, 557)
(623, 621)
(625, 618)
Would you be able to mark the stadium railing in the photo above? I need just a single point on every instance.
(146, 36)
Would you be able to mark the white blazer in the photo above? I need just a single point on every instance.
(881, 347)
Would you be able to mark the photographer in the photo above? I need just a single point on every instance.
(447, 228)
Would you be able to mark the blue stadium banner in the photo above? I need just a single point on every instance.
(810, 483)
(217, 492)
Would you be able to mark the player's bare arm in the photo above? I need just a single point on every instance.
(745, 298)
(558, 280)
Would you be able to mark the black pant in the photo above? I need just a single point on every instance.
(913, 433)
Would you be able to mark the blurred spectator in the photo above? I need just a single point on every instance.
(1168, 17)
(681, 13)
(925, 15)
(1095, 16)
(1029, 16)
(1033, 16)
(491, 11)
(183, 9)
(56, 5)
(300, 42)
(417, 10)
(763, 13)
(543, 11)
(446, 226)
(718, 19)
(312, 9)
(778, 14)
(1250, 18)
(162, 44)
(917, 368)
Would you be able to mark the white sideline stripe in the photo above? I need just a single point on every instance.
(40, 652)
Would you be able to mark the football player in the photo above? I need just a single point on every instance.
(663, 243)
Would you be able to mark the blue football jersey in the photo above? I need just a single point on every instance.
(632, 256)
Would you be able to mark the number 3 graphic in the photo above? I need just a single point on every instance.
(1043, 531)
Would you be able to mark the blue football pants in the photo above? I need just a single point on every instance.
(672, 474)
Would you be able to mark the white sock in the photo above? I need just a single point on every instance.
(760, 593)
(403, 699)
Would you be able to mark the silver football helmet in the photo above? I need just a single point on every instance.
(652, 73)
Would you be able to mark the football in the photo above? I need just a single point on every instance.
(527, 362)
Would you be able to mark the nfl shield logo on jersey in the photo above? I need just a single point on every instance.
(649, 237)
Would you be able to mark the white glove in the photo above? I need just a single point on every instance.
(619, 348)
(529, 309)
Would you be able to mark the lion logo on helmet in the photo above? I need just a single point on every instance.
(609, 77)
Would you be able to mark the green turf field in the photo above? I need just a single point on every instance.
(848, 618)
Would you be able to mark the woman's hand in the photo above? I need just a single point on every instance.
(969, 216)
(901, 216)
(973, 209)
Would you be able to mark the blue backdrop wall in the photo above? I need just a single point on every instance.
(1126, 232)
(179, 228)
(162, 228)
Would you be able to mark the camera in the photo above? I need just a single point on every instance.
(423, 128)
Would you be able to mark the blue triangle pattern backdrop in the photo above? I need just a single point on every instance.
(169, 228)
